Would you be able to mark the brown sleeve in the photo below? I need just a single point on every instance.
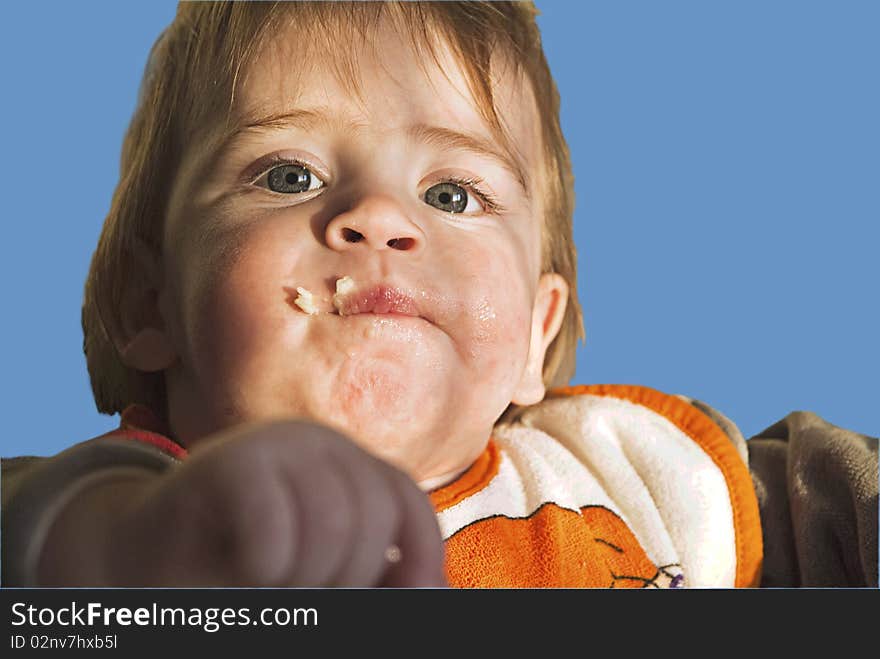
(33, 489)
(817, 490)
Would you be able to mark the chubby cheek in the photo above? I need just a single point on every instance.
(497, 323)
(236, 322)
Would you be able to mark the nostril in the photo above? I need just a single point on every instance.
(400, 243)
(352, 236)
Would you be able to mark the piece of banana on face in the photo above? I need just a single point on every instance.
(344, 286)
(305, 300)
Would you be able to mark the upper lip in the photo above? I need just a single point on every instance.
(379, 299)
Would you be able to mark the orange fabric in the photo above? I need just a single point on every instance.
(473, 480)
(716, 444)
(140, 424)
(554, 547)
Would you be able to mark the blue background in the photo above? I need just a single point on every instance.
(727, 161)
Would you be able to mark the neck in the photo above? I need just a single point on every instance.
(435, 482)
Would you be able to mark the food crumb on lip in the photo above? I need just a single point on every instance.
(306, 301)
(344, 286)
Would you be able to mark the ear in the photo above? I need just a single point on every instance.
(141, 339)
(547, 314)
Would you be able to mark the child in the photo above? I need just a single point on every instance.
(337, 275)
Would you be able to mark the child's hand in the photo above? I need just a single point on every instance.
(279, 504)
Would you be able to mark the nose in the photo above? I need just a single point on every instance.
(377, 222)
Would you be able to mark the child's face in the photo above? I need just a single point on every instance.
(471, 315)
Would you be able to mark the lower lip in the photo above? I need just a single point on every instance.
(401, 317)
(380, 300)
(393, 325)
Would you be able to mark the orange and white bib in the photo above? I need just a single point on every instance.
(604, 486)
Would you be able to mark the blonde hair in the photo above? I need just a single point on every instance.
(190, 81)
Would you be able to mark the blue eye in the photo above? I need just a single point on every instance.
(447, 197)
(462, 195)
(291, 178)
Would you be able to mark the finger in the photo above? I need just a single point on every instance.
(231, 523)
(417, 558)
(377, 517)
(324, 521)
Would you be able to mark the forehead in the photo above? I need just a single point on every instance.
(383, 82)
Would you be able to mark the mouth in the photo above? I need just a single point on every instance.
(379, 300)
(382, 299)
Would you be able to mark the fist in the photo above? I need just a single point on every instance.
(286, 503)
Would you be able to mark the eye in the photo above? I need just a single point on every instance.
(452, 196)
(449, 197)
(290, 178)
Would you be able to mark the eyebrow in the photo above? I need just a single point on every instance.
(438, 136)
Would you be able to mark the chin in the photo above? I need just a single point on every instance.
(376, 388)
(383, 408)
